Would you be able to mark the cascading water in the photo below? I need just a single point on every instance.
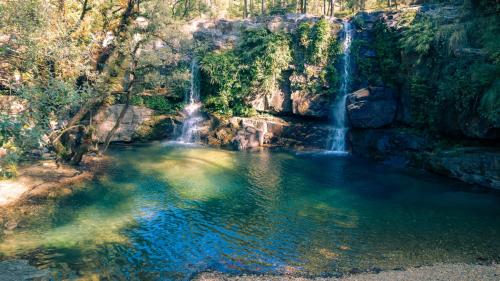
(192, 110)
(339, 122)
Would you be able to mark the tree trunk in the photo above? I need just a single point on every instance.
(128, 92)
(245, 9)
(332, 8)
(263, 8)
(102, 60)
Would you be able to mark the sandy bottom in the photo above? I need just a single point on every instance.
(45, 179)
(440, 272)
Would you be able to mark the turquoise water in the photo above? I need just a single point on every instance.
(167, 213)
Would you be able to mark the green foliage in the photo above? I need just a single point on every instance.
(161, 104)
(316, 54)
(55, 98)
(17, 135)
(314, 40)
(266, 55)
(387, 53)
(419, 37)
(221, 82)
(423, 107)
(456, 68)
(320, 42)
(490, 104)
(255, 66)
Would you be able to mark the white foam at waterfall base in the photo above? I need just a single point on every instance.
(339, 114)
(193, 116)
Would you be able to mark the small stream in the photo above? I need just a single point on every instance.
(166, 212)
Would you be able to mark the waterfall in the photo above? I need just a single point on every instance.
(339, 114)
(192, 109)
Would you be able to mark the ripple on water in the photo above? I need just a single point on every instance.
(168, 212)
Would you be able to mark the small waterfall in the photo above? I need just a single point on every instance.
(192, 109)
(339, 114)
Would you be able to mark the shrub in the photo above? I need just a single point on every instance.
(256, 65)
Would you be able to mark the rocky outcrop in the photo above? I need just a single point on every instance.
(244, 133)
(160, 127)
(306, 100)
(312, 105)
(277, 102)
(295, 94)
(371, 107)
(129, 128)
(473, 165)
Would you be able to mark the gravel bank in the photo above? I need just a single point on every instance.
(440, 272)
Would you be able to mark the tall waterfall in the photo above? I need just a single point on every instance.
(192, 109)
(339, 114)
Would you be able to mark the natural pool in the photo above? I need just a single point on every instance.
(166, 212)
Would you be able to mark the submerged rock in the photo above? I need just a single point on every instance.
(385, 144)
(20, 270)
(372, 107)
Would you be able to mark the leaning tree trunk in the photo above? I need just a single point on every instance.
(128, 94)
(101, 62)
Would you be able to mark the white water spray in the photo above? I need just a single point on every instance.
(192, 112)
(339, 114)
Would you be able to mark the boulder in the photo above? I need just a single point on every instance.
(159, 128)
(371, 107)
(130, 126)
(308, 93)
(248, 138)
(473, 165)
(276, 102)
(252, 133)
(312, 105)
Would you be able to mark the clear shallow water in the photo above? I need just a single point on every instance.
(167, 213)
